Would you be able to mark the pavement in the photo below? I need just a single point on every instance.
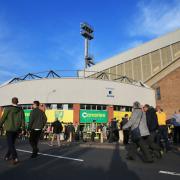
(84, 161)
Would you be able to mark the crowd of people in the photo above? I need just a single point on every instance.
(148, 128)
(145, 131)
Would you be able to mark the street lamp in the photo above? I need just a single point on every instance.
(87, 33)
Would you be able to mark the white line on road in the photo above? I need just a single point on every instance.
(170, 173)
(50, 155)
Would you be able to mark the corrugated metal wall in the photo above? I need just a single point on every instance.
(142, 68)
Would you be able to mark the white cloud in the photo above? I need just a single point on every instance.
(155, 18)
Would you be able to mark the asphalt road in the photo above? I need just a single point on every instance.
(72, 161)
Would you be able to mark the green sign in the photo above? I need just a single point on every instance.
(27, 115)
(87, 116)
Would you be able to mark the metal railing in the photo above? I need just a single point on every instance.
(75, 74)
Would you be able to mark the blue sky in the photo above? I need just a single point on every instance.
(39, 35)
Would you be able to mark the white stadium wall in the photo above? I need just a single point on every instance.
(82, 91)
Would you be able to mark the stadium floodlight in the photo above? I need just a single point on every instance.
(87, 33)
(87, 27)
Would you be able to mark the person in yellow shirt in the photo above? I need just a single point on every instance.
(161, 117)
(163, 129)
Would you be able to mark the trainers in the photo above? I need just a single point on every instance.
(15, 161)
(161, 152)
(130, 158)
(157, 154)
(6, 159)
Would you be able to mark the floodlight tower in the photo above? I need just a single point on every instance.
(87, 33)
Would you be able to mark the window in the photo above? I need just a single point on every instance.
(26, 106)
(82, 106)
(99, 107)
(103, 107)
(65, 106)
(88, 107)
(70, 106)
(54, 106)
(93, 107)
(128, 109)
(48, 106)
(158, 94)
(123, 109)
(59, 106)
(117, 108)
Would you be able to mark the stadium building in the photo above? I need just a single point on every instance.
(155, 63)
(149, 73)
(77, 99)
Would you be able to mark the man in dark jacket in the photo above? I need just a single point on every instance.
(152, 123)
(175, 121)
(13, 120)
(37, 122)
(114, 132)
(138, 121)
(125, 131)
(57, 129)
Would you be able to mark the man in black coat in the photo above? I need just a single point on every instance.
(37, 122)
(125, 131)
(57, 129)
(152, 123)
(114, 132)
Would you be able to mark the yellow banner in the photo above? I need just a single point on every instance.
(65, 116)
(119, 115)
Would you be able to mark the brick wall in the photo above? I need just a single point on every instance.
(170, 92)
(76, 108)
(110, 113)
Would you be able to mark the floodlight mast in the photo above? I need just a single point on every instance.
(86, 52)
(87, 33)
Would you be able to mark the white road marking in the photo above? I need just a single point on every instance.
(50, 155)
(170, 173)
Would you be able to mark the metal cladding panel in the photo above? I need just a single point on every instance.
(120, 70)
(137, 69)
(156, 61)
(176, 50)
(113, 73)
(166, 56)
(146, 65)
(83, 91)
(139, 51)
(128, 69)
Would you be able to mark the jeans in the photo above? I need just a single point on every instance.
(34, 139)
(11, 138)
(151, 142)
(58, 139)
(93, 135)
(176, 135)
(163, 135)
(125, 137)
(132, 149)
